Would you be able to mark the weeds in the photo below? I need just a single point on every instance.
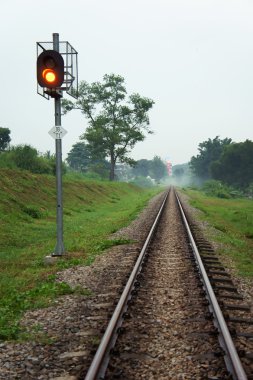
(233, 219)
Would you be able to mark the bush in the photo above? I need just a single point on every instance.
(142, 182)
(32, 211)
(216, 189)
(52, 163)
(27, 158)
(249, 190)
(6, 161)
(76, 175)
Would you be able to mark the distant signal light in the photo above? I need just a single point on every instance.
(50, 69)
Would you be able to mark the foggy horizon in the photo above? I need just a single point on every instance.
(193, 58)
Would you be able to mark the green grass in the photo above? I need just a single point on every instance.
(233, 219)
(92, 211)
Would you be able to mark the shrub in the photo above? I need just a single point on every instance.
(75, 175)
(52, 163)
(142, 182)
(27, 158)
(6, 161)
(216, 189)
(34, 212)
(249, 190)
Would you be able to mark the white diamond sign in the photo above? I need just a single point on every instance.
(57, 132)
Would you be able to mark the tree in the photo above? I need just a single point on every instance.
(79, 157)
(158, 168)
(178, 173)
(141, 168)
(235, 166)
(4, 138)
(209, 151)
(115, 124)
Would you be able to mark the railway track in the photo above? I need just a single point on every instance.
(168, 323)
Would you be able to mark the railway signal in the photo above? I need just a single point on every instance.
(50, 69)
(57, 72)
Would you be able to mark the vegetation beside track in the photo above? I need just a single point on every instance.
(233, 223)
(92, 211)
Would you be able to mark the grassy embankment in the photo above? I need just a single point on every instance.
(92, 211)
(233, 221)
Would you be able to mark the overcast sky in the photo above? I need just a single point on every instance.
(194, 58)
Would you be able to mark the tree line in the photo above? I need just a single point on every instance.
(116, 123)
(226, 161)
(80, 159)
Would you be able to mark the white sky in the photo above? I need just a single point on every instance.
(194, 58)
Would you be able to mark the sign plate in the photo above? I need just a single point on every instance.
(57, 132)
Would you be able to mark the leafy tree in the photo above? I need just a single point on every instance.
(209, 151)
(116, 124)
(141, 168)
(178, 172)
(100, 167)
(79, 157)
(235, 166)
(4, 138)
(158, 168)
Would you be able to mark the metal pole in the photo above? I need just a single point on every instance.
(59, 249)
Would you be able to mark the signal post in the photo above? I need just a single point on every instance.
(59, 249)
(53, 72)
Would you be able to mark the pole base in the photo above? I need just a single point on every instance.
(59, 249)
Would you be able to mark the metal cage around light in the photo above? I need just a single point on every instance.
(69, 54)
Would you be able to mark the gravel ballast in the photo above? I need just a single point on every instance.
(74, 324)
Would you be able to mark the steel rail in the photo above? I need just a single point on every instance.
(232, 360)
(100, 361)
